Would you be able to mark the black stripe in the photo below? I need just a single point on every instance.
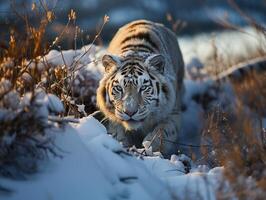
(146, 36)
(135, 46)
(135, 28)
(165, 90)
(103, 93)
(139, 72)
(129, 64)
(152, 77)
(139, 69)
(123, 73)
(145, 81)
(115, 81)
(135, 82)
(112, 77)
(158, 87)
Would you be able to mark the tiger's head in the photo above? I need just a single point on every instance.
(133, 89)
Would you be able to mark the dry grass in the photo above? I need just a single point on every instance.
(235, 130)
(238, 139)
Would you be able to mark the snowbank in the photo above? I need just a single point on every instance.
(228, 47)
(95, 166)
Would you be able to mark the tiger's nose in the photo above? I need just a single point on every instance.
(129, 112)
(130, 105)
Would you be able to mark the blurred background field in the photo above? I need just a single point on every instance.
(185, 17)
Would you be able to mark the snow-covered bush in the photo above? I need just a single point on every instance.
(38, 87)
(76, 74)
(29, 113)
(25, 135)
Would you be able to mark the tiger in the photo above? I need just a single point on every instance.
(142, 86)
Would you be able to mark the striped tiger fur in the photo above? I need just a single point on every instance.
(142, 87)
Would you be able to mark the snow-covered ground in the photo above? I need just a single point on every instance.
(231, 47)
(95, 166)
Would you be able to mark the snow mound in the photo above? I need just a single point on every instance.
(95, 166)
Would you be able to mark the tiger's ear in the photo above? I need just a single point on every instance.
(156, 62)
(110, 62)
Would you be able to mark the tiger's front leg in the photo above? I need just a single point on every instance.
(164, 137)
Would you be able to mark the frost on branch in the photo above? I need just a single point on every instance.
(83, 70)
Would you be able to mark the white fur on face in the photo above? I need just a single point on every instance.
(130, 96)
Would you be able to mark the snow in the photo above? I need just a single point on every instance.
(81, 109)
(78, 60)
(95, 166)
(5, 85)
(203, 45)
(75, 176)
(54, 104)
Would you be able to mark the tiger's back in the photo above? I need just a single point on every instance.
(147, 36)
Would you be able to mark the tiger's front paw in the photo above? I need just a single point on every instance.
(155, 139)
(163, 139)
